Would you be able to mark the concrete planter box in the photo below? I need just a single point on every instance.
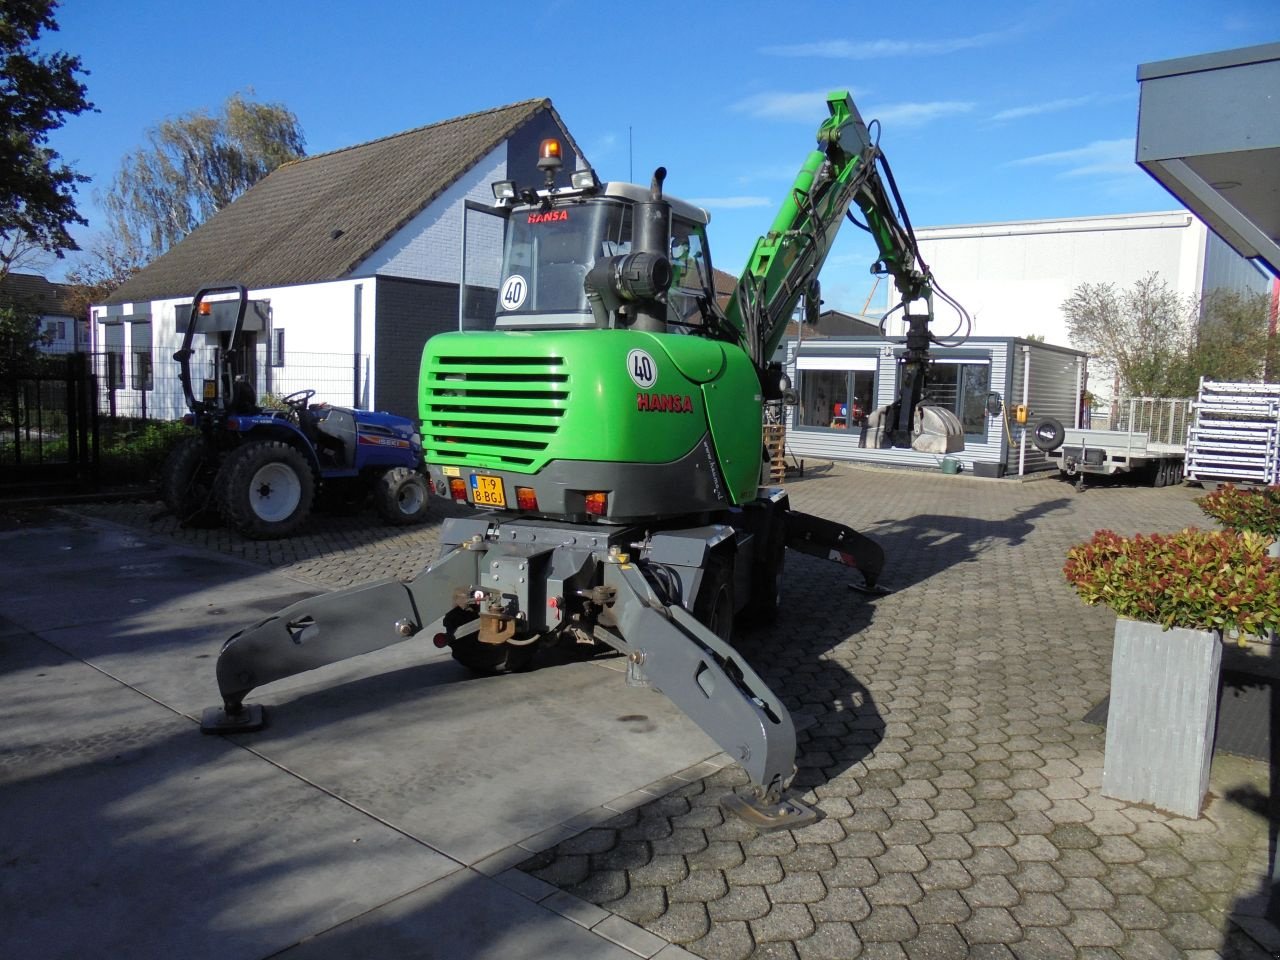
(1162, 716)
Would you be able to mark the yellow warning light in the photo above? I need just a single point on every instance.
(549, 149)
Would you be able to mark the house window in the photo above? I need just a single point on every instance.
(55, 330)
(836, 393)
(140, 334)
(277, 347)
(962, 387)
(113, 342)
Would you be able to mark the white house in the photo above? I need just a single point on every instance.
(61, 331)
(353, 258)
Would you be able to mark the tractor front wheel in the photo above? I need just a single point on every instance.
(186, 482)
(267, 489)
(402, 496)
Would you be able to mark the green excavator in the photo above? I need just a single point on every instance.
(603, 412)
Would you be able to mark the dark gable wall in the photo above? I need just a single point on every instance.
(522, 151)
(409, 311)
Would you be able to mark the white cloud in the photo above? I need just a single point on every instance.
(917, 114)
(1100, 158)
(876, 49)
(731, 203)
(807, 107)
(1036, 109)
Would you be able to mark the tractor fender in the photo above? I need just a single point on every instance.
(284, 432)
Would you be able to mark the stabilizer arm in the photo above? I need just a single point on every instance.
(332, 627)
(704, 677)
(836, 542)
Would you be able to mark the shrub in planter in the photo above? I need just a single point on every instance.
(1174, 594)
(1198, 579)
(1238, 509)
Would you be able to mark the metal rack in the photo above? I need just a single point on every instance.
(1235, 436)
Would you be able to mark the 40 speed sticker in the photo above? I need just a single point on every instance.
(643, 371)
(514, 290)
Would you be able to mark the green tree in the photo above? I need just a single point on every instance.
(1232, 338)
(192, 166)
(37, 92)
(1143, 333)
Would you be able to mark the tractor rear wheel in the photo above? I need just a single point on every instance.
(186, 482)
(267, 489)
(402, 496)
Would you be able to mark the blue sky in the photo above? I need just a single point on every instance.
(989, 110)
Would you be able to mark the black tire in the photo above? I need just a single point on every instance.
(1048, 434)
(766, 575)
(402, 496)
(266, 490)
(714, 607)
(186, 483)
(1161, 476)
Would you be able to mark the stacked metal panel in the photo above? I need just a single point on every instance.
(1235, 436)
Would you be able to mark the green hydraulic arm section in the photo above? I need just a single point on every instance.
(785, 262)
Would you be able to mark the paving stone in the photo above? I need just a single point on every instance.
(900, 859)
(851, 872)
(940, 906)
(1079, 863)
(730, 940)
(601, 886)
(830, 941)
(1037, 878)
(1043, 943)
(1030, 849)
(887, 924)
(947, 846)
(826, 831)
(1213, 878)
(786, 921)
(702, 886)
(1040, 910)
(1118, 849)
(991, 835)
(799, 887)
(882, 951)
(990, 951)
(759, 870)
(1151, 945)
(841, 903)
(905, 832)
(717, 855)
(661, 870)
(990, 891)
(1124, 878)
(945, 875)
(1093, 928)
(808, 857)
(1075, 836)
(1162, 863)
(770, 844)
(1084, 893)
(742, 902)
(859, 844)
(937, 942)
(1191, 931)
(682, 923)
(991, 925)
(1176, 895)
(639, 904)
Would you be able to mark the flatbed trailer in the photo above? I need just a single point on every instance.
(1147, 436)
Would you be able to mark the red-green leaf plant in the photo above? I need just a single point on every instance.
(1237, 508)
(1197, 579)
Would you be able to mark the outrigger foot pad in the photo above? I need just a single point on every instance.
(870, 589)
(248, 718)
(766, 817)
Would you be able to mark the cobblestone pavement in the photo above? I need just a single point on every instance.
(945, 747)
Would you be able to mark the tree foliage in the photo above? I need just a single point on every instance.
(37, 92)
(1160, 343)
(192, 166)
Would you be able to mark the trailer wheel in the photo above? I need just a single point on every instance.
(1161, 476)
(186, 483)
(714, 607)
(1048, 434)
(402, 496)
(267, 490)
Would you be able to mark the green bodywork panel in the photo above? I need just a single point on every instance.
(517, 400)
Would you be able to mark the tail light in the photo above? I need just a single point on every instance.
(526, 499)
(597, 503)
(458, 489)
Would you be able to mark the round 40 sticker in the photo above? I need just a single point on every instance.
(514, 290)
(644, 372)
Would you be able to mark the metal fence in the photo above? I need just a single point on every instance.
(110, 416)
(1163, 420)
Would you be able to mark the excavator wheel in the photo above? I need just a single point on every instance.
(714, 606)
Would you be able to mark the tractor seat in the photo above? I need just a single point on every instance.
(336, 435)
(244, 399)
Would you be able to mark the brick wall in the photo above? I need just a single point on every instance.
(409, 312)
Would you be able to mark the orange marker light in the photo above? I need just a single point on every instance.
(549, 149)
(526, 499)
(206, 308)
(597, 503)
(458, 489)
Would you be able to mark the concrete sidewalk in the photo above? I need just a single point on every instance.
(396, 808)
(378, 815)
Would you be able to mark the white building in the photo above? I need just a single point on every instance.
(1014, 277)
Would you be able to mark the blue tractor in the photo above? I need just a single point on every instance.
(260, 470)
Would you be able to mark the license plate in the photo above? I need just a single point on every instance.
(487, 491)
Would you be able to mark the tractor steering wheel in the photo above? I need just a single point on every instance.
(298, 399)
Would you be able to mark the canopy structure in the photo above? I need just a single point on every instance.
(1209, 132)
